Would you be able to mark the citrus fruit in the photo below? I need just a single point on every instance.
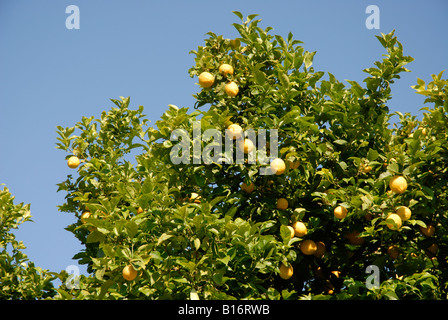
(366, 169)
(396, 218)
(404, 213)
(235, 131)
(84, 216)
(393, 252)
(129, 273)
(139, 210)
(354, 238)
(286, 272)
(225, 69)
(73, 162)
(308, 247)
(340, 212)
(428, 231)
(248, 188)
(398, 184)
(299, 229)
(320, 249)
(231, 89)
(278, 166)
(282, 204)
(246, 146)
(194, 197)
(206, 79)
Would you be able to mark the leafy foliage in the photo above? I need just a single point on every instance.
(339, 147)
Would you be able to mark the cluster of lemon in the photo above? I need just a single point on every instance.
(277, 165)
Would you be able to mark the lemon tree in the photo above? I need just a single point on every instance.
(348, 190)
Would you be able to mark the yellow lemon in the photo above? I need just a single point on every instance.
(231, 89)
(404, 213)
(225, 69)
(286, 272)
(129, 273)
(340, 212)
(308, 247)
(248, 188)
(246, 146)
(282, 204)
(235, 131)
(73, 162)
(398, 184)
(278, 166)
(206, 79)
(299, 229)
(396, 218)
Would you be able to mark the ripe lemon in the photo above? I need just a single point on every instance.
(393, 252)
(206, 79)
(308, 247)
(398, 184)
(286, 272)
(428, 231)
(321, 249)
(73, 162)
(366, 169)
(340, 212)
(299, 229)
(354, 238)
(194, 197)
(235, 131)
(129, 273)
(282, 204)
(404, 213)
(396, 218)
(84, 216)
(248, 188)
(231, 89)
(225, 69)
(246, 146)
(139, 210)
(278, 166)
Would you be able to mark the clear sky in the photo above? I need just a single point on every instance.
(50, 75)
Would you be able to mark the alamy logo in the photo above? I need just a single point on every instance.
(250, 143)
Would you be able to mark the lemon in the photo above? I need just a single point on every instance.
(308, 247)
(340, 212)
(73, 162)
(235, 131)
(404, 213)
(225, 69)
(299, 229)
(398, 184)
(396, 218)
(282, 204)
(286, 272)
(206, 79)
(278, 166)
(129, 273)
(231, 89)
(246, 146)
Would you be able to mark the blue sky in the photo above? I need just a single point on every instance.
(52, 76)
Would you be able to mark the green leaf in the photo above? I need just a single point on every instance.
(308, 58)
(163, 238)
(95, 236)
(260, 77)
